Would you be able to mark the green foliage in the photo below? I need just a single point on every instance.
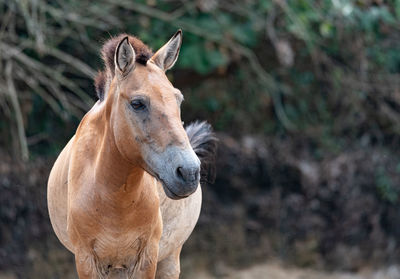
(385, 186)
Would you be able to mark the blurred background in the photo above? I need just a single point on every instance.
(304, 97)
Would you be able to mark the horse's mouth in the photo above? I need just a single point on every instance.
(168, 192)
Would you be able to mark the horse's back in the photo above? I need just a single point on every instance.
(57, 195)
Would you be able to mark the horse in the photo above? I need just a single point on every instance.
(124, 195)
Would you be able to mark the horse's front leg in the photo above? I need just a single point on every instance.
(169, 268)
(85, 265)
(147, 265)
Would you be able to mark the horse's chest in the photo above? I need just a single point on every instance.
(120, 252)
(119, 247)
(112, 241)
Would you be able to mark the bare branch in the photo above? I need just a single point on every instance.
(18, 114)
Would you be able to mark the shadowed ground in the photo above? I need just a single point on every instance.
(278, 271)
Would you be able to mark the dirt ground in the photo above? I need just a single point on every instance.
(279, 271)
(272, 270)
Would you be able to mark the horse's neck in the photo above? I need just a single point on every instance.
(112, 172)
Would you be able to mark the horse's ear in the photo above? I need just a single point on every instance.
(124, 58)
(167, 55)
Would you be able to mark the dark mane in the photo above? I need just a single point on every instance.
(104, 77)
(204, 143)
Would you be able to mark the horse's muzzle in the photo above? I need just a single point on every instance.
(178, 170)
(186, 182)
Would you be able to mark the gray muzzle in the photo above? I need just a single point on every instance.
(178, 169)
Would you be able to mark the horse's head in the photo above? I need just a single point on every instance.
(146, 120)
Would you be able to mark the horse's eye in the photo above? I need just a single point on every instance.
(138, 105)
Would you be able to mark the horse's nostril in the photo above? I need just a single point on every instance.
(179, 173)
(188, 174)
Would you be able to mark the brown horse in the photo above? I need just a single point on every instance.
(123, 195)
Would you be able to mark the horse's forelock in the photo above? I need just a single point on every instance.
(102, 80)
